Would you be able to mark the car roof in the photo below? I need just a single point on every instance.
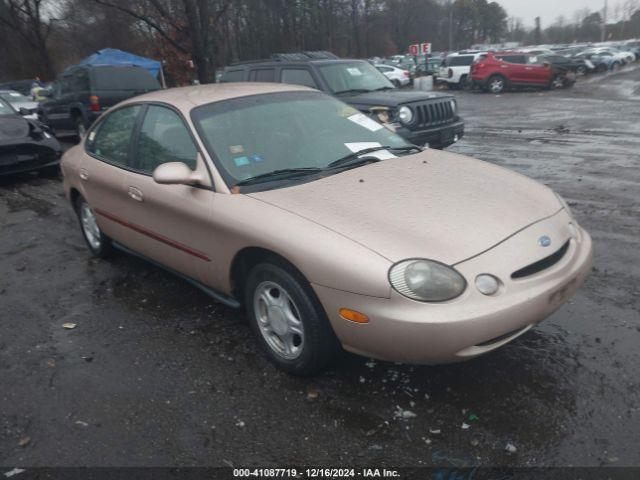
(288, 63)
(187, 98)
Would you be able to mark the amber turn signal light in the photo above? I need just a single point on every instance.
(353, 316)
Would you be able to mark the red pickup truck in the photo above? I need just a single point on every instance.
(496, 72)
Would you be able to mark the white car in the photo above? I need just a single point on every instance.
(455, 70)
(398, 76)
(18, 101)
(623, 57)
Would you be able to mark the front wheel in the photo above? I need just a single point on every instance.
(98, 242)
(288, 320)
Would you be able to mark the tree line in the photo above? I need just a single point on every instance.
(196, 37)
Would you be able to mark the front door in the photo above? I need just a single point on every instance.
(170, 224)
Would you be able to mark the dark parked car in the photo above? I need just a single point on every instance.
(579, 66)
(25, 144)
(420, 117)
(82, 93)
(22, 86)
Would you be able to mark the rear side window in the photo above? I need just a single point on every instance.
(263, 75)
(164, 138)
(522, 59)
(233, 76)
(123, 78)
(460, 61)
(112, 139)
(298, 76)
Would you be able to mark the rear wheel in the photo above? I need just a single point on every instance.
(80, 127)
(496, 84)
(98, 242)
(396, 83)
(557, 81)
(288, 320)
(465, 83)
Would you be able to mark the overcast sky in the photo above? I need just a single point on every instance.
(549, 10)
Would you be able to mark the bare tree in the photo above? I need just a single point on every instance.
(32, 21)
(186, 24)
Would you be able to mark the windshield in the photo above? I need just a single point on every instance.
(254, 135)
(346, 77)
(5, 109)
(15, 97)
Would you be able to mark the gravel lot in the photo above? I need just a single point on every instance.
(155, 374)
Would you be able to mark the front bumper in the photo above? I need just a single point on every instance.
(440, 136)
(26, 155)
(404, 330)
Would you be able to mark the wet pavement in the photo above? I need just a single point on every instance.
(155, 374)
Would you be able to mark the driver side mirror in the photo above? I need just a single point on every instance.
(176, 173)
(24, 111)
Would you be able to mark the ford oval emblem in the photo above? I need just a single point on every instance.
(544, 241)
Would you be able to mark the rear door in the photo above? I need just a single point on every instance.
(169, 223)
(103, 167)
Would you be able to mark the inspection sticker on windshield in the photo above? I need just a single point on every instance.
(354, 72)
(380, 154)
(364, 121)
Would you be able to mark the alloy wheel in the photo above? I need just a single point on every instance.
(90, 226)
(279, 320)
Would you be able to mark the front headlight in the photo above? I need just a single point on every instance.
(564, 204)
(405, 114)
(426, 280)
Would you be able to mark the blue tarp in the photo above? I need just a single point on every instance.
(115, 57)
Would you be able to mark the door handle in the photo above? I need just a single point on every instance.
(84, 174)
(136, 194)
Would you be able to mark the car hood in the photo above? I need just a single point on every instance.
(27, 105)
(433, 205)
(13, 127)
(390, 98)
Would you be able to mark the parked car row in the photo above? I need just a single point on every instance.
(539, 66)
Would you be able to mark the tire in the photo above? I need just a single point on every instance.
(615, 66)
(496, 84)
(396, 83)
(80, 127)
(464, 84)
(287, 319)
(601, 68)
(557, 81)
(99, 244)
(581, 70)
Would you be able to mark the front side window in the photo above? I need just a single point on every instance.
(353, 77)
(460, 61)
(163, 138)
(112, 139)
(258, 134)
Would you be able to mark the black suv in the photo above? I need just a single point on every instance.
(420, 117)
(82, 93)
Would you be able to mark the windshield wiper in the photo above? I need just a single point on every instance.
(346, 160)
(277, 174)
(349, 159)
(353, 90)
(383, 88)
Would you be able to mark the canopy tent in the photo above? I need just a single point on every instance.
(115, 57)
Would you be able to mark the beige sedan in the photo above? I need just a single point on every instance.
(328, 228)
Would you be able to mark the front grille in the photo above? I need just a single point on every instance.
(543, 264)
(433, 113)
